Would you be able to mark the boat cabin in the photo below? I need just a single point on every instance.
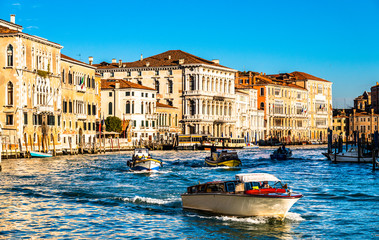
(244, 184)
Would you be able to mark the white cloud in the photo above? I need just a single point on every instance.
(16, 4)
(32, 27)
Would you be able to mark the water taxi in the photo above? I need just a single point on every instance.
(223, 158)
(142, 161)
(253, 194)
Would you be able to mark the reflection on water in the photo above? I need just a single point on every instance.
(96, 196)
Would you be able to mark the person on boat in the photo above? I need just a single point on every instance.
(265, 184)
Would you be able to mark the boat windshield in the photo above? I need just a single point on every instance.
(263, 184)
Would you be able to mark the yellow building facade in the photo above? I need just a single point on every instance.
(30, 84)
(80, 103)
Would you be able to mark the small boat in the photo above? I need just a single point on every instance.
(40, 154)
(351, 155)
(142, 161)
(222, 158)
(281, 153)
(251, 146)
(253, 194)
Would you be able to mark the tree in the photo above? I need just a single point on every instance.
(113, 124)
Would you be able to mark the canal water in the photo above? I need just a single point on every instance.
(94, 196)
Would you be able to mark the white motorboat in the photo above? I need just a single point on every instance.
(40, 154)
(351, 155)
(256, 194)
(142, 161)
(251, 146)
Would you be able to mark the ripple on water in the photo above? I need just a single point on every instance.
(97, 196)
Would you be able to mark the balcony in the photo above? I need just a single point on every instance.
(214, 94)
(81, 116)
(48, 109)
(82, 88)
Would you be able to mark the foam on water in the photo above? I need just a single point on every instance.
(155, 201)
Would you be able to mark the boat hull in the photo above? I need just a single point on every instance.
(226, 163)
(243, 205)
(40, 154)
(280, 156)
(146, 165)
(348, 158)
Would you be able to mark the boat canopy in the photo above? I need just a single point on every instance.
(256, 177)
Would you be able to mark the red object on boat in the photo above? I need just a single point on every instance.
(265, 191)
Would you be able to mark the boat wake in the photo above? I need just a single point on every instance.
(290, 217)
(155, 201)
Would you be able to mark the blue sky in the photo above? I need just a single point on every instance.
(334, 40)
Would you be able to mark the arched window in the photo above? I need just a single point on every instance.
(10, 94)
(10, 56)
(157, 85)
(110, 108)
(127, 111)
(63, 76)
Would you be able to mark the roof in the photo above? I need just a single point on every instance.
(168, 58)
(4, 29)
(306, 76)
(111, 83)
(256, 177)
(74, 60)
(164, 105)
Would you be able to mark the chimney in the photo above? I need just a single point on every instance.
(13, 18)
(141, 57)
(181, 61)
(216, 61)
(90, 60)
(147, 64)
(169, 57)
(117, 85)
(114, 60)
(120, 63)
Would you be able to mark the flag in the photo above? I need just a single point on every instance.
(82, 82)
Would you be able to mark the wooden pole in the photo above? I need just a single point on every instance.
(118, 141)
(111, 144)
(19, 146)
(69, 142)
(26, 144)
(54, 152)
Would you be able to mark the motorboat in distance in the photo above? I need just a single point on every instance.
(40, 154)
(254, 194)
(142, 161)
(282, 153)
(223, 158)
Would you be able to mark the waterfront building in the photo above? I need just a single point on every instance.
(249, 120)
(362, 103)
(167, 122)
(284, 105)
(30, 84)
(201, 90)
(375, 97)
(80, 103)
(363, 123)
(319, 101)
(340, 125)
(133, 103)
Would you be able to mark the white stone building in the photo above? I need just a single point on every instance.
(133, 103)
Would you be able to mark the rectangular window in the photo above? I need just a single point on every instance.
(25, 118)
(141, 108)
(132, 93)
(147, 123)
(170, 72)
(94, 109)
(262, 91)
(139, 73)
(156, 72)
(129, 74)
(89, 109)
(152, 95)
(59, 120)
(153, 123)
(89, 126)
(9, 119)
(110, 94)
(85, 126)
(142, 123)
(70, 107)
(127, 93)
(277, 91)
